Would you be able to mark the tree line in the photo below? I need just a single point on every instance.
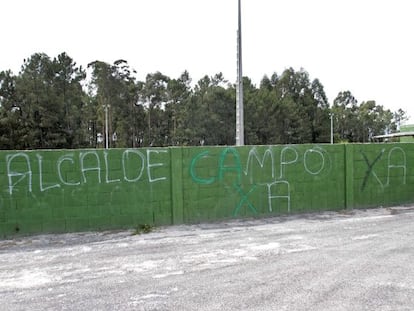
(54, 103)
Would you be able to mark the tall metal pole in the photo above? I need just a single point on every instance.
(106, 128)
(331, 115)
(239, 86)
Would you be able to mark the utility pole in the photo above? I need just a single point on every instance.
(106, 127)
(331, 116)
(239, 86)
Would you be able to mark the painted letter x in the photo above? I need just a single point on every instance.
(244, 199)
(370, 169)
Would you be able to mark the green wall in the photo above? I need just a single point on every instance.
(383, 174)
(67, 190)
(262, 180)
(79, 190)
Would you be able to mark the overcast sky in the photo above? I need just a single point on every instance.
(364, 46)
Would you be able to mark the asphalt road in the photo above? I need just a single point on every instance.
(362, 260)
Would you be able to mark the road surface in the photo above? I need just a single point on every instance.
(357, 260)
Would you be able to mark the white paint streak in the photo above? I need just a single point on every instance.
(366, 218)
(164, 275)
(299, 249)
(266, 247)
(153, 165)
(21, 175)
(364, 237)
(25, 279)
(322, 163)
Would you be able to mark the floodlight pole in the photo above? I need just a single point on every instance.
(331, 116)
(106, 127)
(239, 86)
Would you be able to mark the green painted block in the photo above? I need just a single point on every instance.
(143, 219)
(54, 226)
(110, 210)
(120, 221)
(161, 195)
(162, 214)
(75, 198)
(35, 214)
(9, 229)
(58, 212)
(28, 227)
(77, 224)
(70, 178)
(93, 211)
(76, 212)
(100, 223)
(126, 210)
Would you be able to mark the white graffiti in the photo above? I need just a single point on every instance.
(260, 168)
(288, 156)
(397, 165)
(275, 185)
(151, 165)
(84, 169)
(89, 164)
(42, 188)
(284, 159)
(68, 157)
(22, 174)
(107, 180)
(125, 159)
(305, 160)
(254, 154)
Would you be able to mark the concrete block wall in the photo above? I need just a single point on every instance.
(79, 190)
(262, 180)
(382, 174)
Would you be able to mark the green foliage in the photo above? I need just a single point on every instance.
(41, 107)
(359, 123)
(113, 87)
(143, 229)
(52, 104)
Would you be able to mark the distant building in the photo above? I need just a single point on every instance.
(405, 129)
(405, 135)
